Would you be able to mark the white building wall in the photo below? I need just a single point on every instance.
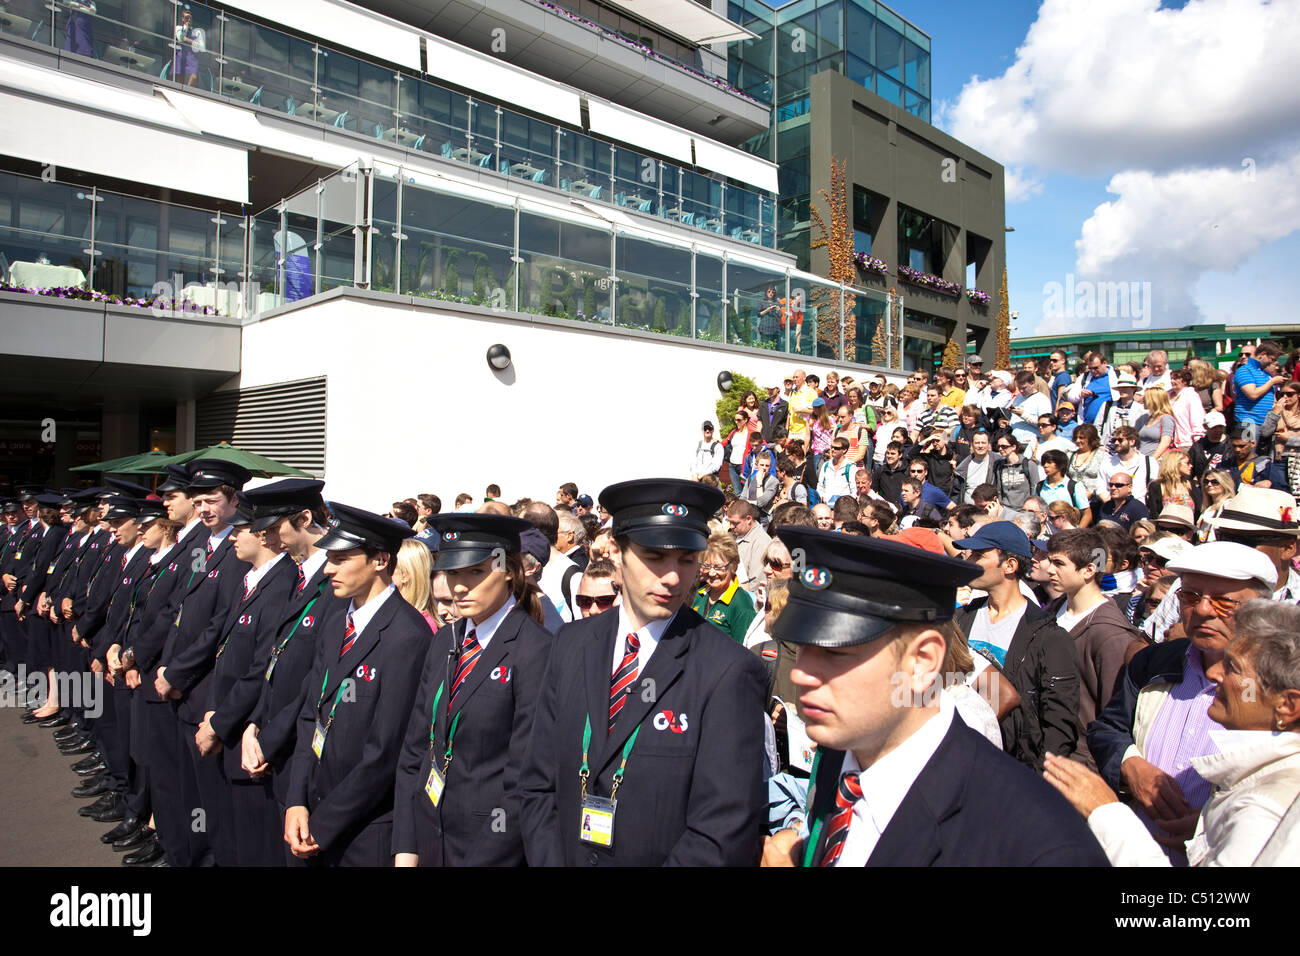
(414, 407)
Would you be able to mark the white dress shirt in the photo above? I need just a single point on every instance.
(648, 636)
(255, 575)
(361, 615)
(315, 561)
(483, 632)
(886, 783)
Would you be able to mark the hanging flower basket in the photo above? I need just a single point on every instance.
(977, 297)
(927, 281)
(870, 264)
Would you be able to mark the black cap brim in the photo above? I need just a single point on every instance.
(808, 622)
(263, 522)
(337, 539)
(669, 538)
(454, 559)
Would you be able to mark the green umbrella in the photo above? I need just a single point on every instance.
(115, 466)
(259, 465)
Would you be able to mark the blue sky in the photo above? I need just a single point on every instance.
(1186, 216)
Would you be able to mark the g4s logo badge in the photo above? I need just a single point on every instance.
(666, 720)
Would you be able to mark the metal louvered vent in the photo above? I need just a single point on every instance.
(285, 421)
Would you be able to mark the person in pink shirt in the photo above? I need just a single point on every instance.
(1189, 412)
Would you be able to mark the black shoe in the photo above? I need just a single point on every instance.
(113, 814)
(103, 802)
(64, 734)
(128, 827)
(91, 787)
(160, 862)
(150, 853)
(58, 720)
(89, 763)
(30, 718)
(87, 746)
(133, 841)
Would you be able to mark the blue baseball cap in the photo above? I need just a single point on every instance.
(997, 534)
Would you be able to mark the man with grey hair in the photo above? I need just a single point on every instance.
(1157, 366)
(559, 577)
(1157, 720)
(1029, 522)
(570, 539)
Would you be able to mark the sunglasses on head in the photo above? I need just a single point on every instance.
(602, 601)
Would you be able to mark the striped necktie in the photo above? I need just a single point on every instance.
(349, 636)
(247, 589)
(302, 579)
(211, 547)
(837, 830)
(624, 677)
(470, 649)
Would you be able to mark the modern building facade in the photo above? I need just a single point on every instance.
(849, 80)
(174, 176)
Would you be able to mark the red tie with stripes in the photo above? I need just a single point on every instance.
(349, 636)
(247, 590)
(624, 678)
(837, 831)
(302, 578)
(469, 654)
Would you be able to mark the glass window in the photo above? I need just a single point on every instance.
(701, 201)
(753, 317)
(356, 95)
(636, 180)
(527, 148)
(565, 272)
(708, 303)
(830, 28)
(889, 52)
(266, 67)
(889, 89)
(860, 73)
(457, 248)
(584, 165)
(438, 117)
(654, 288)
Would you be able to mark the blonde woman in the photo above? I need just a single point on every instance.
(1173, 484)
(1156, 434)
(414, 568)
(1208, 382)
(1062, 516)
(1216, 488)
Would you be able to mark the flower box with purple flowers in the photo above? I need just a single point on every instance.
(927, 281)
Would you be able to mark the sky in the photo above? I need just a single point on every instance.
(1152, 153)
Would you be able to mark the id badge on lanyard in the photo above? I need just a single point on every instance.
(596, 814)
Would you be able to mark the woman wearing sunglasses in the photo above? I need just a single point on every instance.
(1217, 487)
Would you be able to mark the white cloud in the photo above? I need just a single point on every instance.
(1102, 85)
(1170, 228)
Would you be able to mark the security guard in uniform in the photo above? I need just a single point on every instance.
(359, 697)
(872, 620)
(647, 746)
(294, 511)
(457, 798)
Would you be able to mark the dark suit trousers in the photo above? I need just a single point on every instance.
(173, 791)
(214, 796)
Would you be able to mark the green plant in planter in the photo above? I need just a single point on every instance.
(727, 404)
(661, 315)
(451, 276)
(589, 299)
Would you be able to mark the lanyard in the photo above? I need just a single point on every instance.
(337, 697)
(437, 699)
(584, 771)
(301, 617)
(815, 831)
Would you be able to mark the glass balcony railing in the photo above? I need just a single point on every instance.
(198, 46)
(384, 230)
(422, 241)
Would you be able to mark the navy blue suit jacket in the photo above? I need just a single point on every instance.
(971, 805)
(693, 792)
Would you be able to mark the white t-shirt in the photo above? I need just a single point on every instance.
(995, 637)
(1068, 620)
(977, 473)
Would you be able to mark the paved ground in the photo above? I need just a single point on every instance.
(40, 822)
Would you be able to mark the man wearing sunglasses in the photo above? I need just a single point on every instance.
(1164, 695)
(1122, 508)
(599, 589)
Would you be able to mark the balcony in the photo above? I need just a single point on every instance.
(554, 42)
(227, 56)
(393, 229)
